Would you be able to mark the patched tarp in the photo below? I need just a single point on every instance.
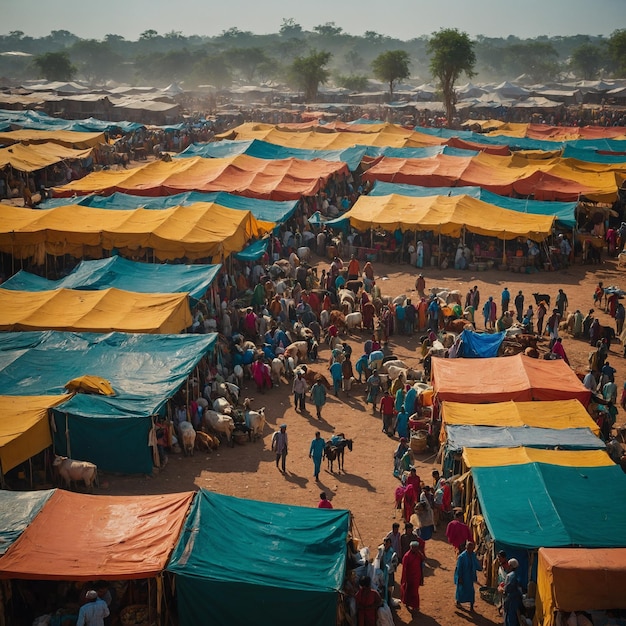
(446, 215)
(500, 379)
(460, 436)
(263, 210)
(296, 566)
(579, 579)
(110, 431)
(281, 179)
(192, 232)
(123, 274)
(67, 138)
(480, 345)
(551, 506)
(351, 156)
(495, 457)
(314, 137)
(24, 428)
(564, 212)
(30, 158)
(83, 537)
(17, 510)
(555, 414)
(94, 311)
(524, 175)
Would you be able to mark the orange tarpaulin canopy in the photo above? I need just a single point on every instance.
(85, 537)
(30, 158)
(499, 379)
(68, 138)
(579, 579)
(279, 179)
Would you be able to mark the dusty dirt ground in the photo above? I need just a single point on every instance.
(367, 485)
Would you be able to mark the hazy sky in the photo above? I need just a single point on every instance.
(403, 19)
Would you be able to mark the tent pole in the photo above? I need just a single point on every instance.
(30, 469)
(159, 598)
(67, 435)
(503, 251)
(439, 256)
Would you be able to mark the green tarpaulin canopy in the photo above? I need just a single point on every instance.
(110, 431)
(539, 505)
(286, 567)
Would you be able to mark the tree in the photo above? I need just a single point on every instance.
(55, 66)
(214, 69)
(587, 60)
(617, 49)
(354, 82)
(452, 54)
(248, 61)
(308, 72)
(290, 28)
(330, 29)
(95, 59)
(538, 59)
(390, 67)
(149, 34)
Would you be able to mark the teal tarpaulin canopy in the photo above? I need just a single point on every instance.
(565, 212)
(35, 120)
(123, 274)
(290, 562)
(538, 505)
(17, 511)
(264, 210)
(260, 149)
(254, 251)
(481, 345)
(110, 431)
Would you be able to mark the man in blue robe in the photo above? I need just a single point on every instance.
(465, 575)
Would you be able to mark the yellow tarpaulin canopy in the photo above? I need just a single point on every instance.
(30, 158)
(556, 414)
(24, 427)
(380, 135)
(579, 579)
(67, 138)
(201, 230)
(90, 384)
(446, 215)
(498, 457)
(94, 311)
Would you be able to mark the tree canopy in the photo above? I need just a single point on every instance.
(617, 49)
(391, 67)
(308, 72)
(55, 66)
(452, 54)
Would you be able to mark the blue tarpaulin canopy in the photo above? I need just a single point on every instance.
(17, 511)
(123, 274)
(254, 251)
(481, 345)
(592, 156)
(111, 431)
(295, 566)
(264, 210)
(461, 436)
(565, 212)
(35, 120)
(260, 149)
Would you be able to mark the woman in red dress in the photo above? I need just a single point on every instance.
(412, 577)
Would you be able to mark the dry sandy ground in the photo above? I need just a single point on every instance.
(367, 486)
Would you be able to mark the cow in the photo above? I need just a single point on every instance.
(304, 254)
(255, 420)
(336, 451)
(542, 297)
(222, 405)
(457, 326)
(297, 351)
(73, 471)
(310, 376)
(221, 424)
(354, 320)
(338, 319)
(325, 319)
(354, 286)
(188, 437)
(392, 361)
(278, 369)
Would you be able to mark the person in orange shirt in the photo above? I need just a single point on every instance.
(354, 269)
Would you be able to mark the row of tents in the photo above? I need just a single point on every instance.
(281, 556)
(538, 483)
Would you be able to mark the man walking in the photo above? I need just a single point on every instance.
(318, 395)
(465, 576)
(519, 305)
(316, 452)
(279, 446)
(299, 389)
